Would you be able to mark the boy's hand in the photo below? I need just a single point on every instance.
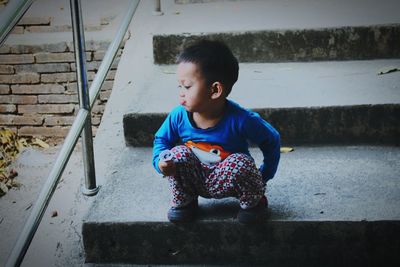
(167, 168)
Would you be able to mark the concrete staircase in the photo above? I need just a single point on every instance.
(333, 202)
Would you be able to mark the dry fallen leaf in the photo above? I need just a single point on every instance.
(41, 143)
(169, 72)
(287, 149)
(387, 70)
(21, 143)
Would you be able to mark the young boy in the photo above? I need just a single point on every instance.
(207, 138)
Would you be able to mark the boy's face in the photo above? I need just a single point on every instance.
(194, 93)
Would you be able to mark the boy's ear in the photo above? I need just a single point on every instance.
(217, 90)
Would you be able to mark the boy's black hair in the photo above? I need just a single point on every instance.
(215, 60)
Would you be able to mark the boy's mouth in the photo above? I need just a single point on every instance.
(182, 102)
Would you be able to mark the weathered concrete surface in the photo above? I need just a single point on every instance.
(346, 43)
(58, 240)
(280, 85)
(363, 124)
(136, 74)
(227, 16)
(328, 205)
(276, 243)
(337, 102)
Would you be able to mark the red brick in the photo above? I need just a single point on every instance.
(92, 45)
(8, 108)
(59, 120)
(17, 30)
(105, 95)
(18, 99)
(54, 57)
(58, 57)
(55, 131)
(20, 78)
(32, 49)
(90, 66)
(111, 75)
(72, 88)
(4, 89)
(20, 120)
(43, 68)
(98, 109)
(59, 99)
(5, 49)
(37, 89)
(107, 85)
(94, 65)
(14, 129)
(58, 77)
(98, 55)
(47, 108)
(6, 69)
(90, 75)
(16, 59)
(96, 120)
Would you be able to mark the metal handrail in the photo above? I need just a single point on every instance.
(31, 225)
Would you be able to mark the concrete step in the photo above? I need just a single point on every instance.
(333, 206)
(362, 124)
(316, 102)
(290, 30)
(328, 205)
(344, 43)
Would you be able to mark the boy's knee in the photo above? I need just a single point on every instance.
(241, 159)
(243, 164)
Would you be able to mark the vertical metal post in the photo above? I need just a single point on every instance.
(157, 8)
(84, 103)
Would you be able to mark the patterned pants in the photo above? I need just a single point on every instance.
(236, 176)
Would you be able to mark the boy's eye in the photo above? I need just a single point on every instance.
(186, 87)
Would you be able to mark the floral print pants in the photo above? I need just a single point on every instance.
(236, 176)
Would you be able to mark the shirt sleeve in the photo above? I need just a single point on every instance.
(267, 138)
(166, 137)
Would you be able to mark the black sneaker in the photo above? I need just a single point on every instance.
(183, 214)
(254, 214)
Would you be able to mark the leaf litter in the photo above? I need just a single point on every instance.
(10, 146)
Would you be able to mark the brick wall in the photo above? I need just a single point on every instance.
(38, 95)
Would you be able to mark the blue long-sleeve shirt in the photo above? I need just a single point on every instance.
(233, 133)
